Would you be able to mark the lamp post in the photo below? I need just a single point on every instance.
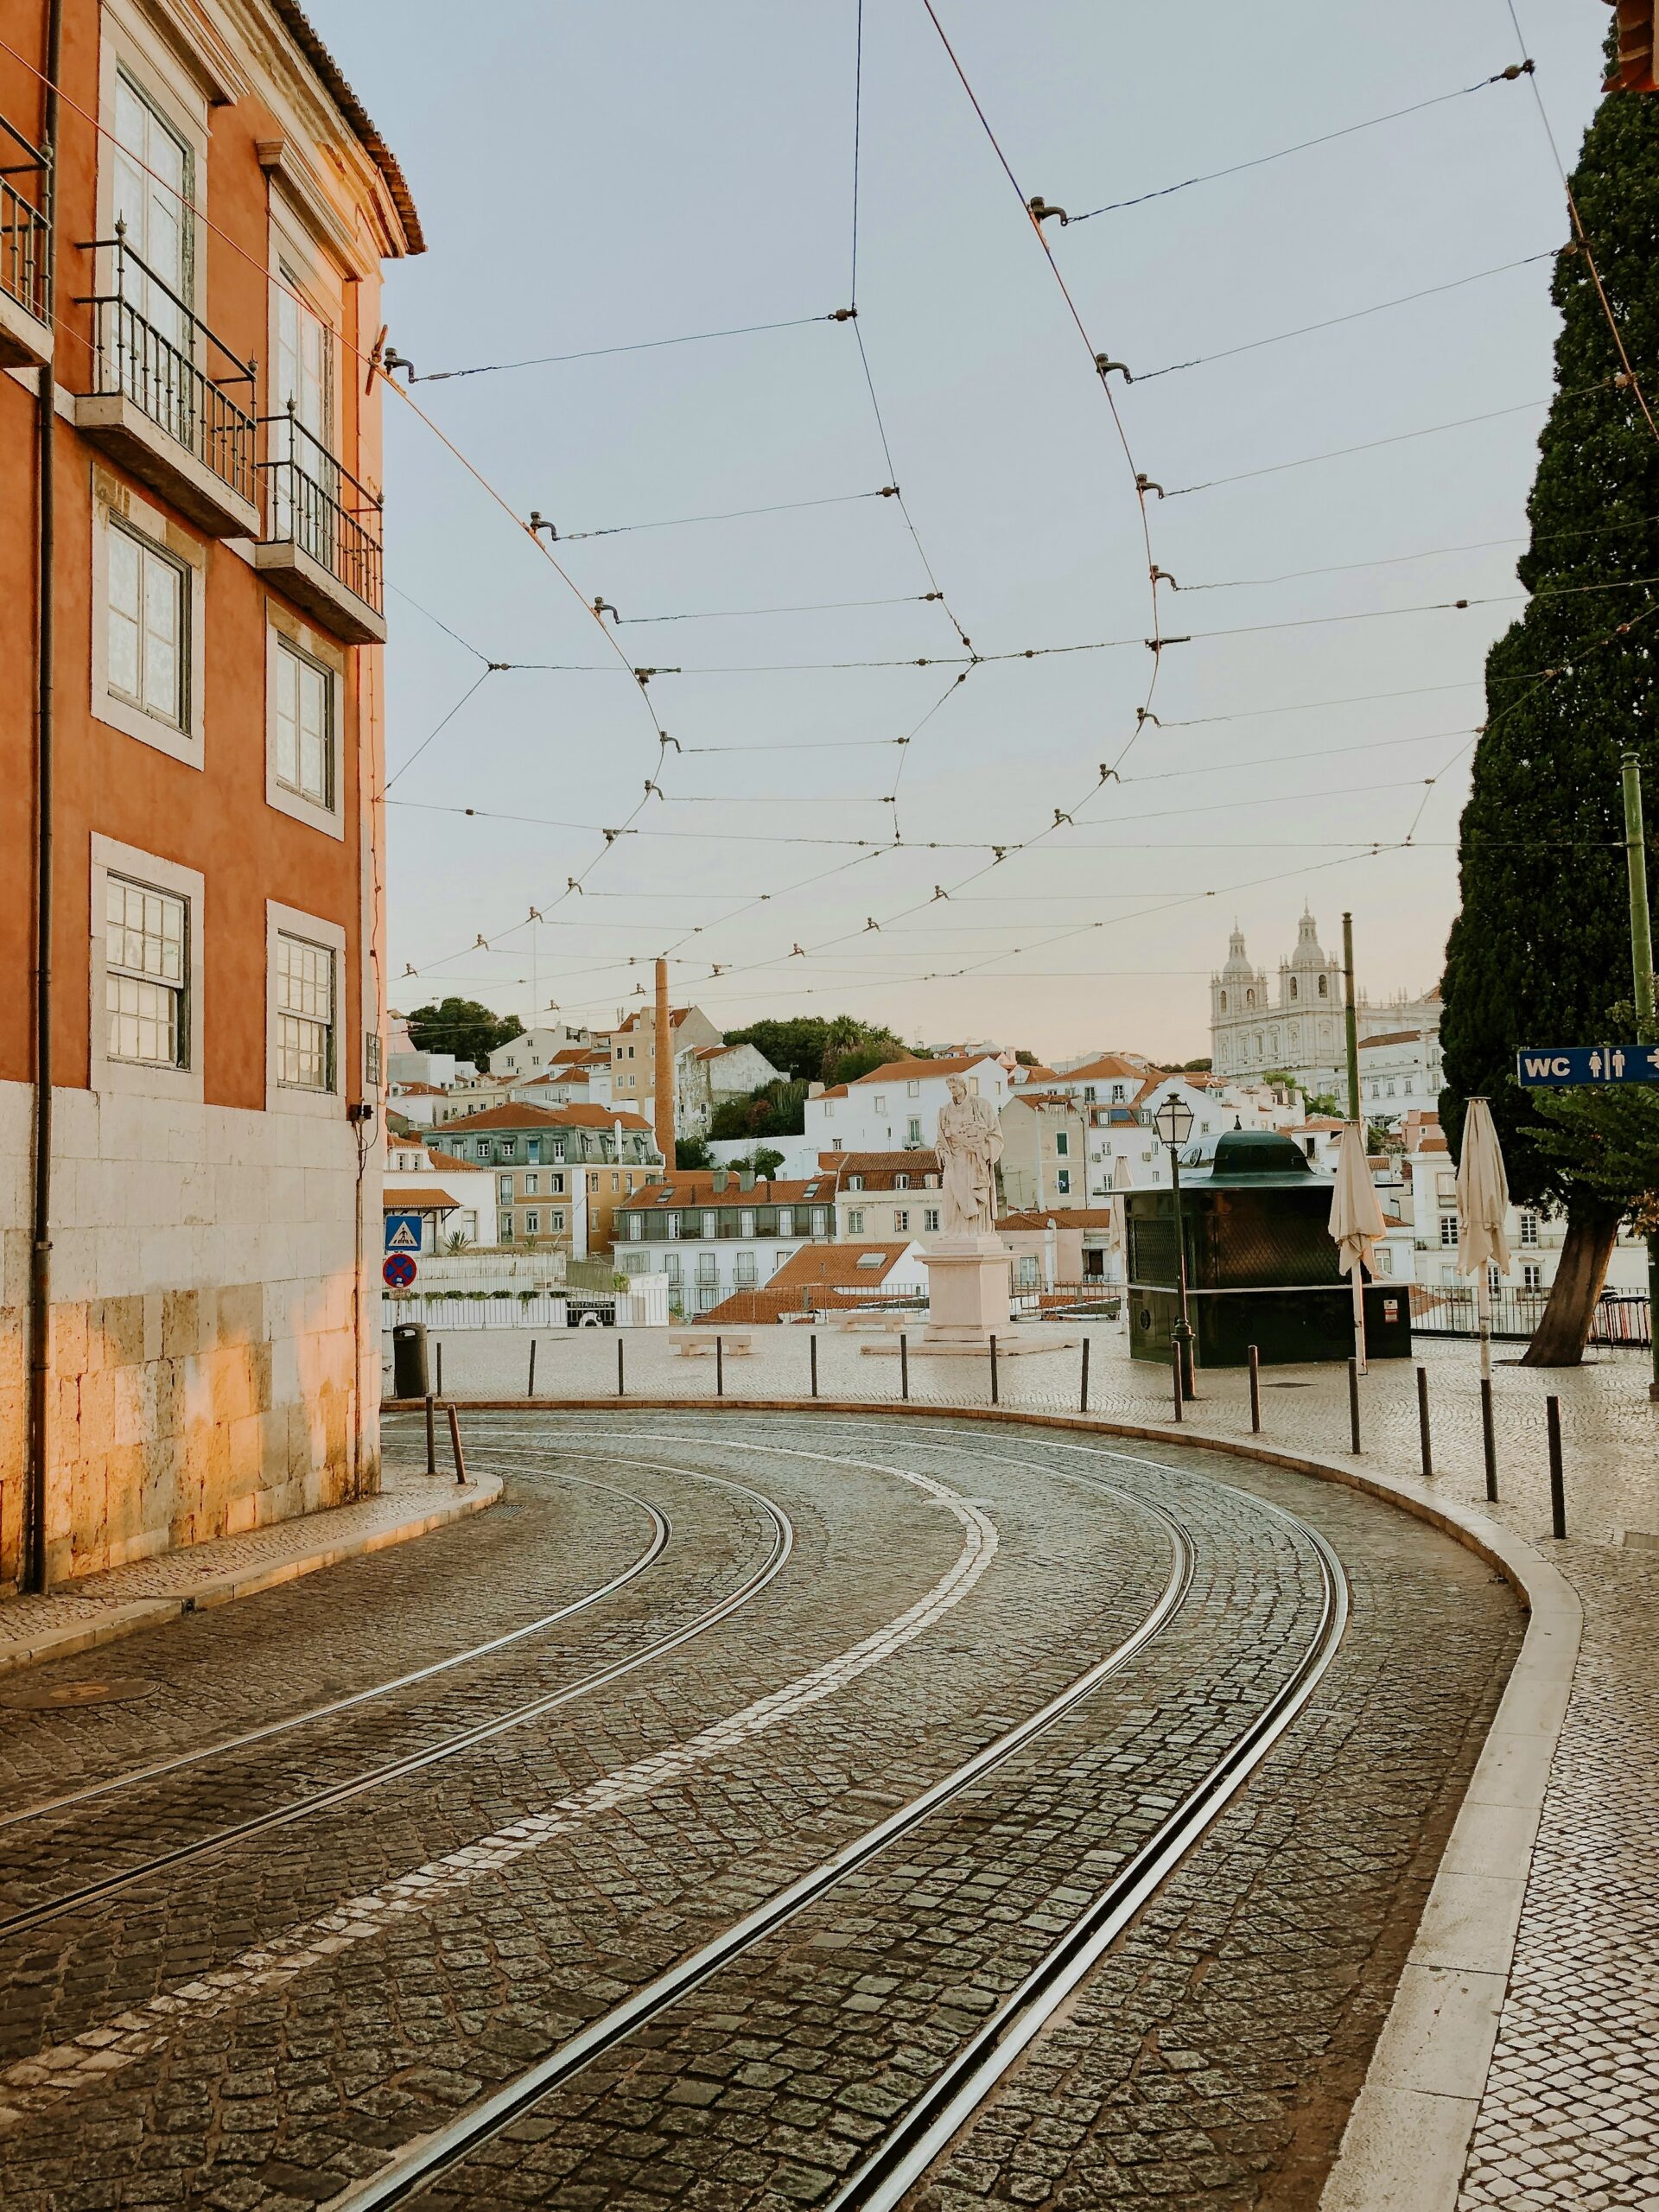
(1173, 1123)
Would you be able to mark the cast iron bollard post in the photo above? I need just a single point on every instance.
(1082, 1399)
(1353, 1405)
(622, 1378)
(454, 1442)
(1488, 1437)
(994, 1397)
(812, 1346)
(531, 1391)
(431, 1438)
(1557, 1494)
(1422, 1421)
(1175, 1370)
(719, 1365)
(903, 1366)
(1256, 1391)
(440, 1366)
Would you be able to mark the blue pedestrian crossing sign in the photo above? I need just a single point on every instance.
(1561, 1067)
(403, 1232)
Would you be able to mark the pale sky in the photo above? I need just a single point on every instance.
(593, 177)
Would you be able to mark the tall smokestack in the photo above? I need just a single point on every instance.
(663, 1070)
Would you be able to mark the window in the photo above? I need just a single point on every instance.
(504, 1189)
(1448, 1229)
(636, 1228)
(532, 1224)
(1223, 1002)
(787, 1218)
(854, 1182)
(303, 715)
(532, 1184)
(973, 1086)
(1529, 1228)
(305, 1013)
(1385, 1261)
(1532, 1276)
(710, 1224)
(149, 617)
(1062, 1181)
(880, 1105)
(556, 1221)
(153, 180)
(930, 1217)
(901, 1182)
(855, 1222)
(146, 951)
(901, 1221)
(1325, 987)
(708, 1267)
(745, 1222)
(506, 1229)
(1293, 986)
(820, 1222)
(1062, 1143)
(744, 1276)
(1087, 1094)
(671, 1267)
(533, 1149)
(1027, 1273)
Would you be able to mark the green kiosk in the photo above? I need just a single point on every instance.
(1261, 1264)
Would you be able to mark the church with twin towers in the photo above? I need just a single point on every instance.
(1294, 1025)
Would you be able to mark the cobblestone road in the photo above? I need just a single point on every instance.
(259, 2027)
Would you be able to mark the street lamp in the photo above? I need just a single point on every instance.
(1173, 1123)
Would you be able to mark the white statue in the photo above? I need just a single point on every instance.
(968, 1141)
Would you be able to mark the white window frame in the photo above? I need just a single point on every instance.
(901, 1221)
(116, 506)
(134, 1077)
(930, 1219)
(854, 1223)
(285, 1098)
(285, 636)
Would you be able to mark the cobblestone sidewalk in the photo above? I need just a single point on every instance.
(98, 1608)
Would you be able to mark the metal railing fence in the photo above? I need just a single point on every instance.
(25, 230)
(1622, 1317)
(312, 502)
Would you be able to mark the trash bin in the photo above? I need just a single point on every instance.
(409, 1374)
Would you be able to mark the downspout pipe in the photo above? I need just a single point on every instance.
(40, 1273)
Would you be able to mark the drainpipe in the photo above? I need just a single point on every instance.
(40, 1275)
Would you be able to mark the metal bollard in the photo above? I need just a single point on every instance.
(812, 1342)
(1557, 1493)
(1488, 1437)
(1422, 1421)
(1175, 1371)
(431, 1438)
(455, 1441)
(531, 1391)
(1256, 1391)
(1082, 1395)
(1353, 1405)
(720, 1366)
(440, 1367)
(903, 1366)
(622, 1378)
(993, 1398)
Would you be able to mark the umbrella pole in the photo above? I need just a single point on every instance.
(1359, 1317)
(1484, 1320)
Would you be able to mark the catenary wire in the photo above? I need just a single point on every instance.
(642, 346)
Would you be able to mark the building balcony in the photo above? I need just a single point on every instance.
(322, 535)
(154, 407)
(25, 255)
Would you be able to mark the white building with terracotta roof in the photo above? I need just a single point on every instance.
(896, 1108)
(713, 1232)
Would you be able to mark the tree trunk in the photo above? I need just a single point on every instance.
(1560, 1338)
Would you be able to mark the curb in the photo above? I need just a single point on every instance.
(62, 1642)
(1407, 2135)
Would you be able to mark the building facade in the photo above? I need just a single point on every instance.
(560, 1173)
(712, 1233)
(1296, 1026)
(191, 725)
(896, 1108)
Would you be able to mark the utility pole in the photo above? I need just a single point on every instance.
(1350, 1016)
(663, 1070)
(1636, 864)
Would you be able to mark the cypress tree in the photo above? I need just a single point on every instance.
(1539, 952)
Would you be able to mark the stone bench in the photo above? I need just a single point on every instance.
(701, 1340)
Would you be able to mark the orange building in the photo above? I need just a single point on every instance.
(194, 213)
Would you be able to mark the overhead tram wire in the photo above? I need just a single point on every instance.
(1333, 322)
(735, 613)
(1302, 146)
(731, 514)
(641, 346)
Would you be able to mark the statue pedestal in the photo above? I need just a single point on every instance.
(968, 1279)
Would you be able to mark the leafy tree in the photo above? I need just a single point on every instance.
(1196, 1067)
(767, 1161)
(794, 1047)
(464, 1027)
(691, 1152)
(777, 1110)
(1541, 949)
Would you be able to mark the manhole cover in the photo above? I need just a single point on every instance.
(120, 1692)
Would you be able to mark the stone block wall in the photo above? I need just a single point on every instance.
(206, 1374)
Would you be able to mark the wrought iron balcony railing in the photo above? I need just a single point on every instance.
(25, 232)
(315, 503)
(149, 347)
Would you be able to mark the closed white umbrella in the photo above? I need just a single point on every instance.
(1356, 1222)
(1482, 1207)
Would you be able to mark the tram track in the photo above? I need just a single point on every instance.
(233, 1833)
(962, 2084)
